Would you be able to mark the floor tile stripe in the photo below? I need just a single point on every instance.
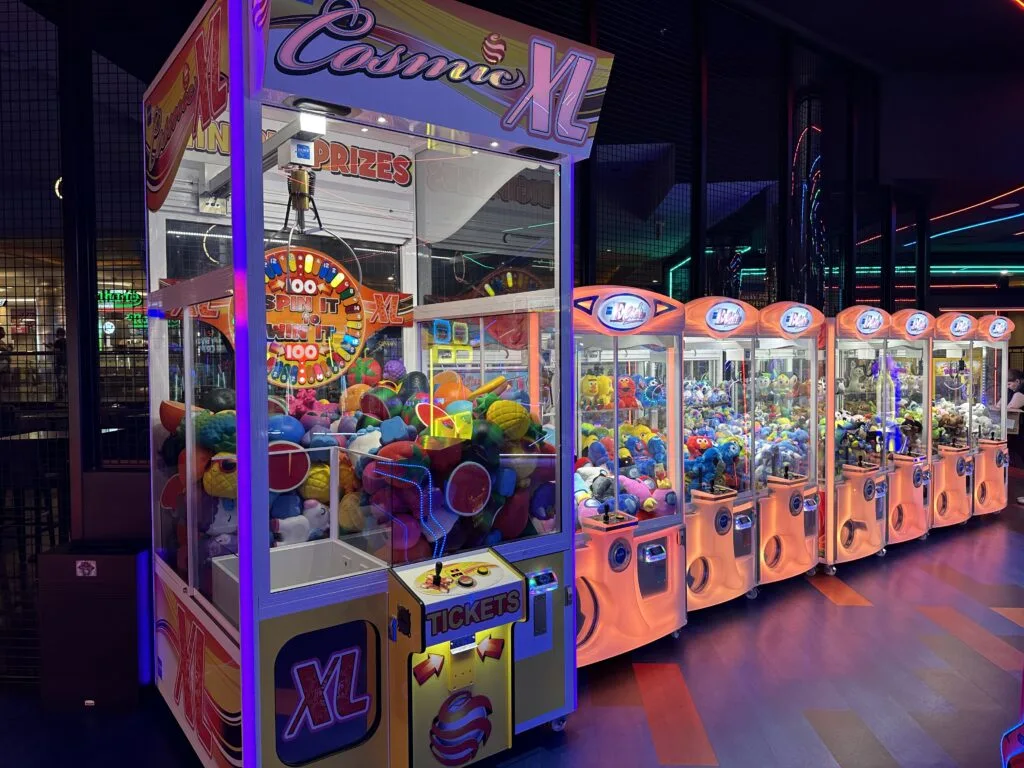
(1000, 653)
(849, 739)
(838, 591)
(675, 724)
(1016, 615)
(984, 593)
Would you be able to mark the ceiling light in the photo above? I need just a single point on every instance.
(364, 130)
(654, 281)
(495, 144)
(382, 120)
(1004, 272)
(56, 187)
(391, 278)
(475, 152)
(1005, 206)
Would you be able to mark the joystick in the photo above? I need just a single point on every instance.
(437, 573)
(785, 471)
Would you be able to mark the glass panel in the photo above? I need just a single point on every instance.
(718, 411)
(908, 365)
(485, 224)
(782, 411)
(624, 427)
(210, 465)
(488, 425)
(988, 392)
(951, 393)
(167, 398)
(865, 387)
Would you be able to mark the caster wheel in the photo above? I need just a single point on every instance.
(813, 571)
(881, 552)
(924, 537)
(830, 570)
(558, 725)
(676, 634)
(752, 594)
(965, 522)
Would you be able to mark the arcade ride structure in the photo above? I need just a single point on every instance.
(718, 405)
(908, 350)
(785, 435)
(363, 521)
(861, 433)
(630, 543)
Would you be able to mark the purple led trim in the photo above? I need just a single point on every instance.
(440, 541)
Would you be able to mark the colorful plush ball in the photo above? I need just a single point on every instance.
(421, 550)
(445, 453)
(317, 484)
(365, 370)
(544, 507)
(347, 479)
(485, 446)
(409, 412)
(351, 513)
(403, 462)
(394, 370)
(512, 518)
(468, 489)
(221, 477)
(372, 479)
(405, 532)
(352, 395)
(361, 447)
(510, 417)
(413, 383)
(448, 388)
(284, 427)
(380, 403)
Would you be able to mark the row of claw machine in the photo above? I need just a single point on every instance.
(721, 447)
(360, 265)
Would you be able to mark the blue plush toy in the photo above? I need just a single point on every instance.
(730, 452)
(597, 454)
(658, 450)
(710, 466)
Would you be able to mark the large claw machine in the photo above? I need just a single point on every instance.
(630, 542)
(860, 434)
(786, 434)
(360, 266)
(718, 450)
(989, 369)
(908, 354)
(952, 382)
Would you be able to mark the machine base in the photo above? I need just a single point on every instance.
(788, 527)
(908, 517)
(951, 485)
(720, 549)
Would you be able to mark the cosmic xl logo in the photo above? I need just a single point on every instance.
(552, 93)
(326, 684)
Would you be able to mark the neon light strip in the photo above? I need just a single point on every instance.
(968, 226)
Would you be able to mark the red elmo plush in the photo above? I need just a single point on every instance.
(627, 393)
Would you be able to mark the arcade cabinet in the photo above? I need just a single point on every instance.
(908, 350)
(718, 450)
(952, 461)
(785, 435)
(630, 543)
(860, 434)
(360, 265)
(989, 369)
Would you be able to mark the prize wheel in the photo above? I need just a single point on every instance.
(316, 307)
(507, 280)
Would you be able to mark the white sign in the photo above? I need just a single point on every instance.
(623, 312)
(725, 316)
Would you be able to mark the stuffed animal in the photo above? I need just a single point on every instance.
(605, 391)
(319, 518)
(627, 393)
(589, 392)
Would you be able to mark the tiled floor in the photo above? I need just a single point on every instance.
(909, 661)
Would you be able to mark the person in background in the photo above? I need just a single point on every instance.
(60, 361)
(1015, 398)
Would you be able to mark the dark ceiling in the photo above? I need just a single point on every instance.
(912, 35)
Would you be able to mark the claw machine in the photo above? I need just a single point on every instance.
(718, 451)
(630, 543)
(785, 376)
(360, 260)
(989, 361)
(860, 434)
(952, 382)
(907, 355)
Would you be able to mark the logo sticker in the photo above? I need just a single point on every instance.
(623, 312)
(917, 324)
(725, 316)
(326, 691)
(998, 327)
(795, 320)
(961, 326)
(869, 321)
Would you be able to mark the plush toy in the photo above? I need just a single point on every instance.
(319, 518)
(598, 454)
(221, 477)
(317, 484)
(509, 416)
(627, 393)
(365, 370)
(589, 392)
(605, 391)
(217, 431)
(351, 513)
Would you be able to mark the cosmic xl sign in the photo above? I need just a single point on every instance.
(489, 68)
(327, 691)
